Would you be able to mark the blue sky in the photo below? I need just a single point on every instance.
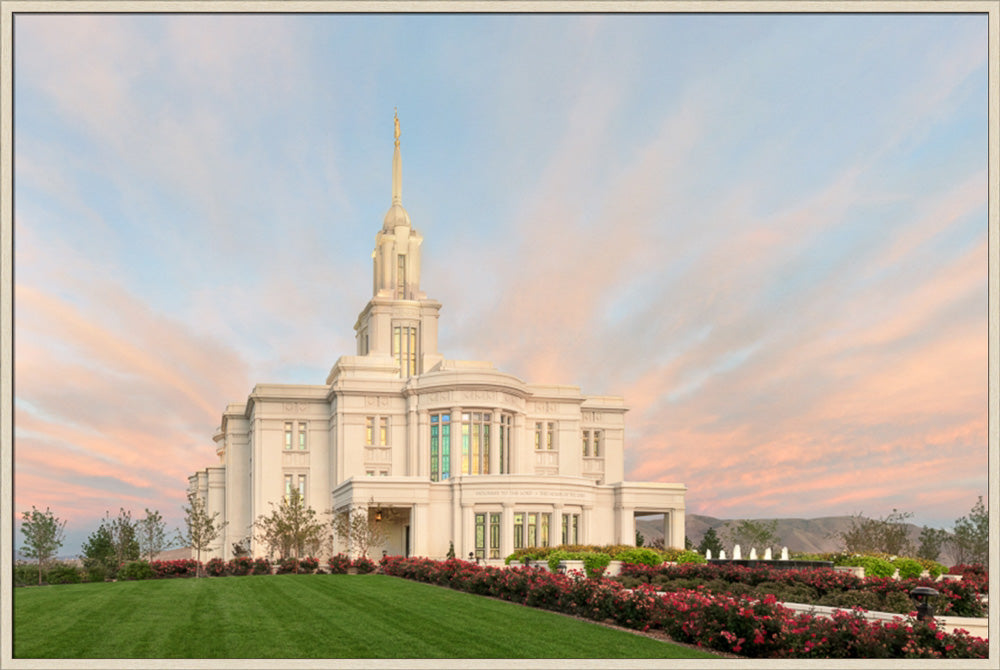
(767, 232)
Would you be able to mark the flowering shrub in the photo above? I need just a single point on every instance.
(363, 565)
(308, 565)
(595, 563)
(287, 566)
(216, 568)
(261, 566)
(182, 567)
(818, 586)
(338, 564)
(241, 565)
(749, 626)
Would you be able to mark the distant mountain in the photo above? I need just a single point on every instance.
(809, 535)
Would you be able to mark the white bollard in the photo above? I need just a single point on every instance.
(722, 554)
(784, 553)
(737, 555)
(767, 554)
(708, 554)
(753, 553)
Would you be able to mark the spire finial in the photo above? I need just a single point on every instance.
(397, 170)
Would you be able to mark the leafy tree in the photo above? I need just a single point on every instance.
(889, 534)
(359, 529)
(43, 535)
(292, 529)
(710, 542)
(639, 539)
(123, 537)
(971, 540)
(99, 553)
(749, 533)
(931, 542)
(201, 530)
(152, 534)
(688, 544)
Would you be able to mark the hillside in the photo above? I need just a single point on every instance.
(810, 535)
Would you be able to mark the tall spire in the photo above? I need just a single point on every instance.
(397, 215)
(397, 166)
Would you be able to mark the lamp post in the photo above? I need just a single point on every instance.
(922, 597)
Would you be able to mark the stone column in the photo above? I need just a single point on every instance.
(517, 466)
(422, 467)
(419, 532)
(495, 441)
(585, 519)
(556, 531)
(507, 531)
(468, 532)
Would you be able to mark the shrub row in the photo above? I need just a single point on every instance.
(879, 564)
(756, 628)
(816, 586)
(615, 552)
(26, 574)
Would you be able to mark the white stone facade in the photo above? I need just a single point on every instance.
(459, 452)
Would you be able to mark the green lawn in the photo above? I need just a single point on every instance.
(303, 616)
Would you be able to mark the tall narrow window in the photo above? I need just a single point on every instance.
(586, 443)
(495, 535)
(538, 435)
(369, 430)
(302, 435)
(383, 431)
(506, 423)
(565, 529)
(546, 520)
(532, 529)
(597, 443)
(302, 489)
(480, 535)
(288, 435)
(404, 349)
(570, 529)
(550, 436)
(518, 530)
(440, 447)
(476, 443)
(401, 277)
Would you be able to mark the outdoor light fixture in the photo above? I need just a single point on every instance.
(378, 515)
(922, 597)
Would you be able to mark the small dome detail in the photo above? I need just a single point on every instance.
(396, 216)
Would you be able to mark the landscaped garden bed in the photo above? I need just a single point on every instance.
(744, 624)
(815, 586)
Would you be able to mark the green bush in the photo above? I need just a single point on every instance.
(688, 556)
(136, 570)
(908, 568)
(641, 556)
(97, 573)
(26, 574)
(595, 563)
(557, 556)
(874, 566)
(63, 573)
(933, 568)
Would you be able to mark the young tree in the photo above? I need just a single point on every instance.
(749, 534)
(359, 529)
(972, 539)
(201, 530)
(931, 542)
(889, 535)
(43, 535)
(639, 539)
(123, 536)
(152, 533)
(292, 529)
(711, 542)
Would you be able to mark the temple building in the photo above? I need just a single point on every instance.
(453, 453)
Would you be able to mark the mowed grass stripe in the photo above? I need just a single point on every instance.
(303, 616)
